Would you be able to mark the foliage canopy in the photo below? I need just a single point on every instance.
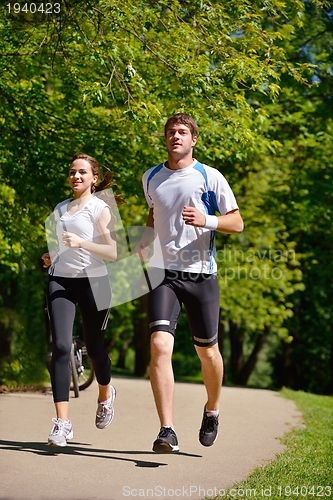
(102, 76)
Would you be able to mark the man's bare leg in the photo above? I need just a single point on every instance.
(161, 375)
(212, 373)
(162, 383)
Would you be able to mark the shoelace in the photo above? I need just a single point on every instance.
(165, 432)
(210, 423)
(58, 427)
(102, 409)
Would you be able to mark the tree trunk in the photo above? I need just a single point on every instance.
(47, 85)
(142, 338)
(247, 369)
(330, 385)
(122, 353)
(237, 336)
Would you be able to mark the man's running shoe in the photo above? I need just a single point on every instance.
(61, 432)
(105, 411)
(166, 441)
(209, 429)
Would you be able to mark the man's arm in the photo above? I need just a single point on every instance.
(230, 223)
(142, 248)
(150, 218)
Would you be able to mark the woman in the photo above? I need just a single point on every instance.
(78, 275)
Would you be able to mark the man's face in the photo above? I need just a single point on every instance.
(179, 140)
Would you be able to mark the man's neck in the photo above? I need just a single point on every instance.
(178, 164)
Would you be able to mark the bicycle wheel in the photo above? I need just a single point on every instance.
(84, 369)
(75, 377)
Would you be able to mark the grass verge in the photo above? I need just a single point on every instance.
(305, 469)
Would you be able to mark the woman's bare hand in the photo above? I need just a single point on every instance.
(71, 240)
(47, 259)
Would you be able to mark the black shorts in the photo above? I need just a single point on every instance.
(200, 295)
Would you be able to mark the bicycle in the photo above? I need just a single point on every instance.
(82, 372)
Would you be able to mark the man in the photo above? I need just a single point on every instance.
(185, 197)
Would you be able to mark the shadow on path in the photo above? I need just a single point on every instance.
(77, 449)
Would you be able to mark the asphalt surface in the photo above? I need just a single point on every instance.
(118, 463)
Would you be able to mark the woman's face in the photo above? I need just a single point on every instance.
(81, 177)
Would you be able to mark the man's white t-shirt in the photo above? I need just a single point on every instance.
(183, 247)
(77, 262)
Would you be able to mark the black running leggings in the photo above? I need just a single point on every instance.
(63, 295)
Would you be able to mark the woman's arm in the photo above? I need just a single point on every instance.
(106, 250)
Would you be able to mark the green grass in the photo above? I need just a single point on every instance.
(305, 469)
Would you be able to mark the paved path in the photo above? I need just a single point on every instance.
(117, 463)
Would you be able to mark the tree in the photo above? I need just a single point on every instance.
(102, 76)
(303, 123)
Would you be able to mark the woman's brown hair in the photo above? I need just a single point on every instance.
(105, 183)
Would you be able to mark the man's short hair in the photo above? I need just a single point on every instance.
(184, 119)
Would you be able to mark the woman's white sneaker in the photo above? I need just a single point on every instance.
(61, 432)
(105, 411)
